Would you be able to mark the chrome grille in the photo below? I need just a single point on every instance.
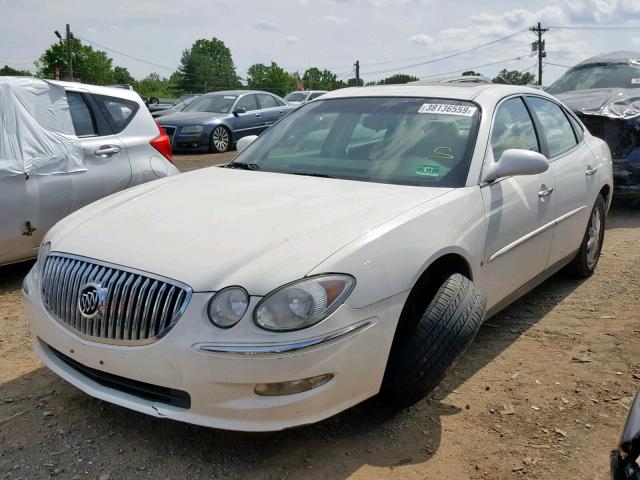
(134, 307)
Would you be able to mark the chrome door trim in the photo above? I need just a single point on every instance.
(535, 232)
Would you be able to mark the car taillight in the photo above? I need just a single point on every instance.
(162, 143)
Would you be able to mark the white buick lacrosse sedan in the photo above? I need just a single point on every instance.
(352, 249)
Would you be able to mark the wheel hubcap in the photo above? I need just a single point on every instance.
(593, 239)
(220, 138)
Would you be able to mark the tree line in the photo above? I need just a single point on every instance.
(205, 67)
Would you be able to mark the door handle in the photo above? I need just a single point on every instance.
(106, 151)
(545, 191)
(281, 112)
(257, 114)
(590, 171)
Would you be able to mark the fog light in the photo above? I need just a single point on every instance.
(294, 386)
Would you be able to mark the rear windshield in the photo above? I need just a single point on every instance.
(296, 97)
(406, 141)
(598, 75)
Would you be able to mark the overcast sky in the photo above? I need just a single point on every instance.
(387, 36)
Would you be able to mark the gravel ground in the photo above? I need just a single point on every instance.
(542, 393)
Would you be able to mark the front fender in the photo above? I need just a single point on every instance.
(390, 258)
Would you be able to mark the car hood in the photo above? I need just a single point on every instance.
(191, 118)
(619, 103)
(218, 227)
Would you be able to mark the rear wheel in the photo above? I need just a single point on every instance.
(419, 361)
(587, 258)
(220, 139)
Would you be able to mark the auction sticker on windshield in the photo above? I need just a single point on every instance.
(446, 109)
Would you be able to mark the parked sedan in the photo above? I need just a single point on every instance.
(65, 145)
(353, 248)
(300, 97)
(624, 459)
(215, 121)
(182, 103)
(604, 92)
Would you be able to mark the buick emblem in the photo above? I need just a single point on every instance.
(91, 301)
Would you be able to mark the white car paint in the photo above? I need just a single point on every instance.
(43, 200)
(221, 227)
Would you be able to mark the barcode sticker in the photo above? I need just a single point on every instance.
(446, 109)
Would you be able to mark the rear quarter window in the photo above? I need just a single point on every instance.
(118, 111)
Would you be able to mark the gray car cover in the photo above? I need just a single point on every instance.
(36, 131)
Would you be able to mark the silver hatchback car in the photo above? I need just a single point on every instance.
(68, 145)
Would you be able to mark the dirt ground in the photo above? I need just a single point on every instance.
(542, 393)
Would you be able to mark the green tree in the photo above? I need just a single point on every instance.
(155, 86)
(514, 77)
(470, 73)
(353, 83)
(316, 79)
(122, 75)
(7, 71)
(271, 78)
(398, 78)
(89, 65)
(207, 66)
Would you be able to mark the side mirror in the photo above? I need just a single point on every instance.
(244, 142)
(238, 110)
(516, 162)
(623, 459)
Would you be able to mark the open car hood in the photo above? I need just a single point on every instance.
(621, 103)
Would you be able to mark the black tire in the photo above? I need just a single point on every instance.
(441, 335)
(154, 101)
(587, 258)
(216, 144)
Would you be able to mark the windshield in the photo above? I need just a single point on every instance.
(296, 97)
(598, 75)
(405, 141)
(212, 104)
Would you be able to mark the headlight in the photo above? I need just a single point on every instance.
(227, 307)
(192, 129)
(38, 268)
(303, 303)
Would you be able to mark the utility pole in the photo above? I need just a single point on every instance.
(357, 65)
(539, 46)
(69, 59)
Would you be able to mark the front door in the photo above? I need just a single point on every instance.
(250, 122)
(519, 210)
(272, 109)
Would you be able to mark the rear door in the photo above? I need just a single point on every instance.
(519, 210)
(105, 155)
(573, 165)
(272, 109)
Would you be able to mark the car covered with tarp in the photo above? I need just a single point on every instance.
(64, 145)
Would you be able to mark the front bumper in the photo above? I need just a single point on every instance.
(220, 369)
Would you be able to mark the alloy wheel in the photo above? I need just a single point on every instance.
(593, 240)
(220, 139)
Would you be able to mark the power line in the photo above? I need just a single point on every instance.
(570, 27)
(173, 69)
(558, 65)
(476, 66)
(445, 57)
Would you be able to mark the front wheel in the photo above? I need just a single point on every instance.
(419, 361)
(220, 139)
(587, 258)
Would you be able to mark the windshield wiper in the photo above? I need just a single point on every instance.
(321, 175)
(243, 166)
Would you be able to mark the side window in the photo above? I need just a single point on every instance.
(267, 101)
(81, 116)
(248, 102)
(118, 111)
(315, 95)
(576, 127)
(555, 125)
(513, 128)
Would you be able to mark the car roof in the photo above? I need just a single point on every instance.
(98, 89)
(460, 91)
(237, 92)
